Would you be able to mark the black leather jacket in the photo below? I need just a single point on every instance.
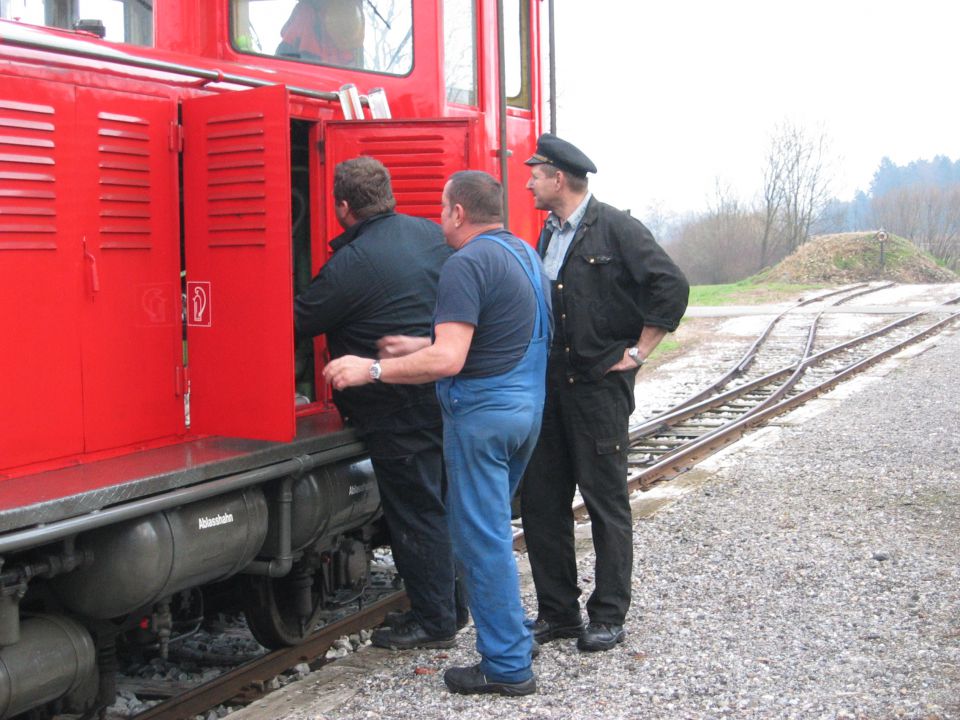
(381, 280)
(615, 279)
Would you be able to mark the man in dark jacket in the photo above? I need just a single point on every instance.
(616, 293)
(382, 280)
(489, 357)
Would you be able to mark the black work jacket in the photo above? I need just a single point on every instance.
(381, 280)
(615, 279)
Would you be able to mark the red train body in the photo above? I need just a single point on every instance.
(164, 193)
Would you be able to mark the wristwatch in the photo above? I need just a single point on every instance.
(633, 352)
(375, 371)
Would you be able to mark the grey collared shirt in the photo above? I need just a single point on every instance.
(561, 237)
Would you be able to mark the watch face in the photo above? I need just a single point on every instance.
(375, 371)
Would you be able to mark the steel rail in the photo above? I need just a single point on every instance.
(243, 679)
(688, 454)
(744, 363)
(685, 412)
(678, 461)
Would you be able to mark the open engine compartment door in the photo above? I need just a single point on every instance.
(239, 291)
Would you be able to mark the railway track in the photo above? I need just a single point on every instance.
(670, 443)
(251, 680)
(745, 396)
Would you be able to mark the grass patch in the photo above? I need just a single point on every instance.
(746, 292)
(666, 346)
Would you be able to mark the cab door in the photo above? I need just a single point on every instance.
(239, 274)
(129, 232)
(41, 381)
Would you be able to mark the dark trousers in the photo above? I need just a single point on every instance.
(410, 475)
(583, 441)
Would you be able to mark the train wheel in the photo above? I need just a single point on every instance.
(282, 611)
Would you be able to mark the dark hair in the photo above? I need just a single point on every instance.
(576, 183)
(478, 193)
(364, 183)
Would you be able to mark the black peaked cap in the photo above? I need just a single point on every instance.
(562, 155)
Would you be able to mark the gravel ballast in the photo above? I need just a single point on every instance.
(812, 572)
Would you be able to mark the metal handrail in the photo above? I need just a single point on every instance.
(23, 36)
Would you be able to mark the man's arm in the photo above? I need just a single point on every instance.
(443, 358)
(650, 337)
(331, 298)
(392, 346)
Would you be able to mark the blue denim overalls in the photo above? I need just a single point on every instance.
(490, 428)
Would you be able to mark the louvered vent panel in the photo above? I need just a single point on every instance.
(123, 163)
(236, 180)
(28, 173)
(420, 163)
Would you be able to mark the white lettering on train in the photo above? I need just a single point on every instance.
(209, 522)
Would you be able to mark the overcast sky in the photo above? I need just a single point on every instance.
(667, 96)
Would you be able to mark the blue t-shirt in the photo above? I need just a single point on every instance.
(483, 285)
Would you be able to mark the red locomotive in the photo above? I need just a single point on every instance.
(165, 190)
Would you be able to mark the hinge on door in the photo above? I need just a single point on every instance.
(176, 137)
(181, 380)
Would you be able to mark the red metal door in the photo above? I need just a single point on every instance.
(239, 266)
(129, 226)
(40, 275)
(420, 154)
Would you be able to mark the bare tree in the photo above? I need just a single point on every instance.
(720, 245)
(928, 215)
(795, 189)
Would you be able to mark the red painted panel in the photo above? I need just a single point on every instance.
(420, 154)
(238, 249)
(40, 272)
(525, 222)
(129, 226)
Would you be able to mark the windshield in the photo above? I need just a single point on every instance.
(125, 21)
(375, 35)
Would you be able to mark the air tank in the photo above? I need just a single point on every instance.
(140, 561)
(53, 656)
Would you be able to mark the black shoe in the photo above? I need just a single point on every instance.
(544, 631)
(398, 617)
(601, 636)
(395, 618)
(534, 650)
(409, 636)
(472, 681)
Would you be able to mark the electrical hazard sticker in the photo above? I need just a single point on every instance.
(198, 303)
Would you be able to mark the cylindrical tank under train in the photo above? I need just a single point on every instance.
(300, 543)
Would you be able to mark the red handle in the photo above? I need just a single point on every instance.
(92, 260)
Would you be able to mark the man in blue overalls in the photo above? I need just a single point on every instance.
(489, 353)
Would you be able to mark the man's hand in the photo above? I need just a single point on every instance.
(348, 371)
(625, 363)
(392, 346)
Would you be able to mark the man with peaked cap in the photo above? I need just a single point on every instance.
(616, 294)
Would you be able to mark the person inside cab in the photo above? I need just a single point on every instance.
(324, 31)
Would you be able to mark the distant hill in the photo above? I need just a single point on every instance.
(855, 257)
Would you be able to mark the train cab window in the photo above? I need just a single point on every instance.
(460, 51)
(123, 21)
(374, 35)
(516, 47)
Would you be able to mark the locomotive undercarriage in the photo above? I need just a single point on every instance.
(291, 548)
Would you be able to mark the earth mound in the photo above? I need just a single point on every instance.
(855, 257)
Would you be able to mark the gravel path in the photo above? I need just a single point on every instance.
(813, 573)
